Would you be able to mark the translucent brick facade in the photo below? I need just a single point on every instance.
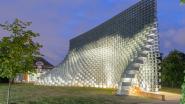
(120, 53)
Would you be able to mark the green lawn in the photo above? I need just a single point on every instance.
(172, 90)
(31, 94)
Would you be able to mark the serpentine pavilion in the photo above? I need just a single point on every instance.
(121, 53)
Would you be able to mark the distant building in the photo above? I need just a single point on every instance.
(42, 66)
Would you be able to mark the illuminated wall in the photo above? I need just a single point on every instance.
(121, 53)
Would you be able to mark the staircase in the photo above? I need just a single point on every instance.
(133, 68)
(128, 76)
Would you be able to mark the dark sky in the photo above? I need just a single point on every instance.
(58, 21)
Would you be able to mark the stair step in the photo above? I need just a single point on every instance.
(136, 65)
(139, 61)
(133, 68)
(141, 58)
(126, 83)
(131, 71)
(126, 79)
(148, 43)
(125, 87)
(123, 92)
(129, 75)
(143, 55)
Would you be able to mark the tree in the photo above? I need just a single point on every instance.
(182, 101)
(182, 1)
(173, 67)
(17, 51)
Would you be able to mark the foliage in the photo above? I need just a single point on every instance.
(18, 51)
(182, 101)
(173, 67)
(183, 1)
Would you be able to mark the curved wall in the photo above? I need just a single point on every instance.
(120, 53)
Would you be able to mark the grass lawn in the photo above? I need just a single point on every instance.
(172, 90)
(31, 94)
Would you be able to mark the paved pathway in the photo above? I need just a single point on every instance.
(171, 98)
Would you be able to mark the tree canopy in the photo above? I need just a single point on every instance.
(173, 67)
(183, 1)
(18, 51)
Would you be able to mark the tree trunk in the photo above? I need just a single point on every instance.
(9, 88)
